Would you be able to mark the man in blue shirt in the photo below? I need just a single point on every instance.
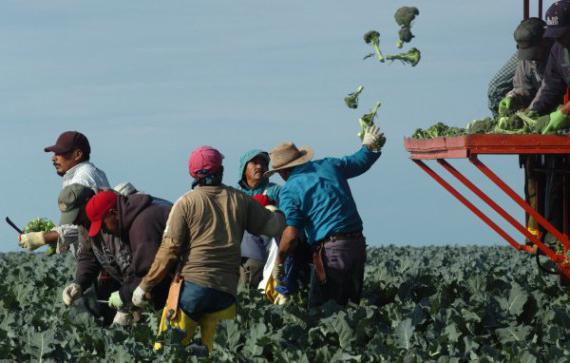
(317, 198)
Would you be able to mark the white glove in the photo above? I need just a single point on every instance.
(32, 240)
(373, 139)
(271, 208)
(122, 318)
(71, 293)
(139, 298)
(281, 300)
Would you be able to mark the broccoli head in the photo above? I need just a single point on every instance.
(373, 38)
(412, 57)
(367, 119)
(352, 99)
(404, 17)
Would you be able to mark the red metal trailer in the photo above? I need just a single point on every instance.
(470, 147)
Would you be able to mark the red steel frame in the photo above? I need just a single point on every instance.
(470, 147)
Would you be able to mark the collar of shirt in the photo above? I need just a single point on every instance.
(71, 172)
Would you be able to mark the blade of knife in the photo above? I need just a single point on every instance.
(13, 225)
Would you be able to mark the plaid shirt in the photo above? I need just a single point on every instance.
(502, 83)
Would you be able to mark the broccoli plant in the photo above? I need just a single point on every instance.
(404, 17)
(367, 119)
(412, 57)
(373, 38)
(351, 100)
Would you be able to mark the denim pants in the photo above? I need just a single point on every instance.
(196, 300)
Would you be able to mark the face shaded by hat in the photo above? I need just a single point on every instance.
(72, 199)
(69, 141)
(97, 209)
(557, 19)
(530, 42)
(287, 155)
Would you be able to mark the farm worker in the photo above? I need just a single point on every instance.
(253, 182)
(71, 155)
(557, 72)
(203, 236)
(533, 51)
(124, 233)
(316, 197)
(549, 97)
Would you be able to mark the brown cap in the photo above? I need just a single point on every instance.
(287, 155)
(69, 141)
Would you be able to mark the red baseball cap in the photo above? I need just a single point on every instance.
(97, 208)
(204, 161)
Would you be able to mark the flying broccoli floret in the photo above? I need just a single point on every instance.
(404, 17)
(352, 99)
(373, 38)
(412, 57)
(405, 36)
(367, 119)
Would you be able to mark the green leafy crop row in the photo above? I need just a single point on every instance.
(431, 304)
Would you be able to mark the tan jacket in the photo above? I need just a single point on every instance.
(205, 228)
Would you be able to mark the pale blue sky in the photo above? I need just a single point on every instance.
(148, 81)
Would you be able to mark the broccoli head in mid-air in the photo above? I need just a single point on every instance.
(404, 17)
(352, 99)
(412, 57)
(373, 38)
(367, 119)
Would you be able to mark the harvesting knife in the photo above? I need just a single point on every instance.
(13, 225)
(103, 301)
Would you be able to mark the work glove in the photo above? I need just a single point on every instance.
(139, 297)
(115, 301)
(277, 273)
(71, 293)
(281, 299)
(32, 240)
(121, 318)
(558, 120)
(373, 139)
(505, 105)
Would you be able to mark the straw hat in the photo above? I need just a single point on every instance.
(287, 155)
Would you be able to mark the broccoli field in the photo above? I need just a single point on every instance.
(430, 304)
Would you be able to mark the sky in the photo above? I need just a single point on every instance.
(149, 81)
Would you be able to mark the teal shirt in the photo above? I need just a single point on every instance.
(317, 197)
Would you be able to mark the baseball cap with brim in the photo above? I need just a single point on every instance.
(69, 141)
(97, 208)
(557, 19)
(70, 201)
(287, 155)
(529, 38)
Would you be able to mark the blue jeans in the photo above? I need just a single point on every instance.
(196, 300)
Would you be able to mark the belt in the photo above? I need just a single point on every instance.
(341, 236)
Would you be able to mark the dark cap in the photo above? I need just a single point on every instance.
(528, 36)
(69, 141)
(557, 19)
(71, 200)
